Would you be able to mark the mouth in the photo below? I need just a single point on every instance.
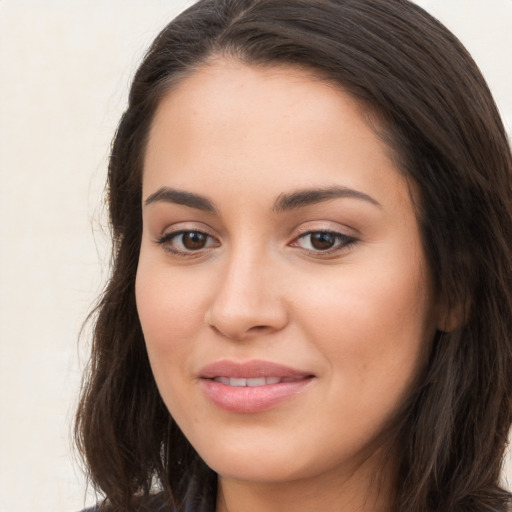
(251, 373)
(240, 382)
(253, 386)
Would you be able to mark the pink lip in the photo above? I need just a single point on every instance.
(250, 369)
(251, 399)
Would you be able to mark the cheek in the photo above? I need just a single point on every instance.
(373, 327)
(171, 317)
(170, 311)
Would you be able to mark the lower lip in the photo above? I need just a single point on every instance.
(251, 399)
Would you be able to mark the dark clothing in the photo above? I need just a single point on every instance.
(156, 504)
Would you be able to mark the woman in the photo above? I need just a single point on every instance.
(310, 306)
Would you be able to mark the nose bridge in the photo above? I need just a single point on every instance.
(247, 300)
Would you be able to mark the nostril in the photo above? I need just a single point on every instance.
(259, 328)
(237, 320)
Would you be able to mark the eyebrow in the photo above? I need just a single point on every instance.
(171, 195)
(308, 197)
(284, 202)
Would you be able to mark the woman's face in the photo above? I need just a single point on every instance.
(282, 287)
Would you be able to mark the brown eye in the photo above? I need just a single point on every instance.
(194, 240)
(187, 242)
(322, 241)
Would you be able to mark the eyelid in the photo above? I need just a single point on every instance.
(180, 227)
(343, 244)
(326, 226)
(167, 235)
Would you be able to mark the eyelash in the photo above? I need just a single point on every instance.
(166, 242)
(341, 242)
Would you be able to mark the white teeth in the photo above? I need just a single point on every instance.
(241, 382)
(233, 381)
(256, 382)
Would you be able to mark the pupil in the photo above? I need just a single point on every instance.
(322, 241)
(194, 240)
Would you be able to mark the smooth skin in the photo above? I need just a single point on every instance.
(334, 284)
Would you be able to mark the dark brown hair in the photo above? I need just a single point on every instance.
(437, 114)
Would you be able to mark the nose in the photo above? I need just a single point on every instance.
(248, 300)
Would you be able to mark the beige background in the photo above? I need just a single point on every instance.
(65, 66)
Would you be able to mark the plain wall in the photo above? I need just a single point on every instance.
(65, 66)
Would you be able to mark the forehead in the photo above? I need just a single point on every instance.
(227, 90)
(228, 120)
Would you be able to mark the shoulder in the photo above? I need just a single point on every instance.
(156, 508)
(155, 504)
(97, 509)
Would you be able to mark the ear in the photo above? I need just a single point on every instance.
(453, 316)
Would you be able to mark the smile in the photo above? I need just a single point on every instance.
(251, 387)
(254, 382)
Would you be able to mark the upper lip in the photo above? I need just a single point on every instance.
(250, 370)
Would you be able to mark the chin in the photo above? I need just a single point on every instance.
(253, 462)
(270, 472)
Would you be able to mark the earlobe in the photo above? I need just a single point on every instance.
(449, 323)
(453, 316)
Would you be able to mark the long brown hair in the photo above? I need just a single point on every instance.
(435, 111)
